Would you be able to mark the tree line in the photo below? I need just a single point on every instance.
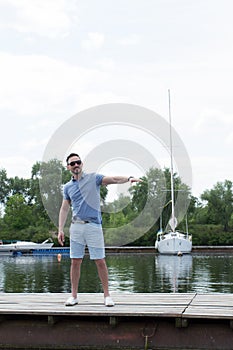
(30, 208)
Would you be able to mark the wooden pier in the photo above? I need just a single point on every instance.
(137, 321)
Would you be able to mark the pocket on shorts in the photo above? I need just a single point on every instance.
(76, 233)
(94, 236)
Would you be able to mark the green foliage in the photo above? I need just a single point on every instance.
(4, 186)
(30, 208)
(50, 180)
(18, 214)
(103, 193)
(118, 212)
(138, 217)
(210, 234)
(219, 204)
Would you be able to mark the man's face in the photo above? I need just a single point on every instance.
(75, 165)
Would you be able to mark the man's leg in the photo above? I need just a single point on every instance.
(103, 275)
(75, 270)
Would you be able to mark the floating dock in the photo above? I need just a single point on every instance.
(137, 321)
(122, 250)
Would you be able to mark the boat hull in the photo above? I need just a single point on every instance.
(174, 243)
(24, 247)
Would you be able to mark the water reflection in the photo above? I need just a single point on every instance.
(174, 272)
(136, 273)
(32, 274)
(213, 273)
(132, 273)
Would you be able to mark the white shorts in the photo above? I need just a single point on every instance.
(90, 235)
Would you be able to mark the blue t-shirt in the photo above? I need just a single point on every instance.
(84, 195)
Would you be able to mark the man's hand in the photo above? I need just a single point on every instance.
(61, 238)
(132, 179)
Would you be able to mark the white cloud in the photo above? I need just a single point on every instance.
(95, 41)
(33, 143)
(130, 40)
(229, 139)
(39, 124)
(38, 92)
(50, 18)
(213, 118)
(208, 170)
(35, 84)
(17, 166)
(216, 125)
(106, 64)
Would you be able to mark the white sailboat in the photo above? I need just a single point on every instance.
(173, 241)
(25, 246)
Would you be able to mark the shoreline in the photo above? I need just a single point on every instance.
(124, 250)
(151, 249)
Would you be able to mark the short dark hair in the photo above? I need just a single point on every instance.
(72, 155)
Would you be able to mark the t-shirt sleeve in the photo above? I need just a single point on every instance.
(65, 193)
(99, 179)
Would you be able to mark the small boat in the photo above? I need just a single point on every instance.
(25, 246)
(173, 241)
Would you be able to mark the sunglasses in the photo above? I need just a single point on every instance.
(78, 162)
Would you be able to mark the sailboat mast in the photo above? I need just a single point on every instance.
(173, 221)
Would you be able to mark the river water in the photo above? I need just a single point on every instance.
(136, 273)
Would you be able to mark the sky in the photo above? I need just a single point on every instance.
(61, 57)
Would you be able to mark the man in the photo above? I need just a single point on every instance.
(82, 193)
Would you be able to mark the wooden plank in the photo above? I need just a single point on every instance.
(213, 299)
(209, 313)
(127, 304)
(210, 306)
(139, 298)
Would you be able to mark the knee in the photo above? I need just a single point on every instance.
(100, 263)
(76, 262)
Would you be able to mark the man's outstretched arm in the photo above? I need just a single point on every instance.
(108, 180)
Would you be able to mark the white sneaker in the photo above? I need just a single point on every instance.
(108, 301)
(71, 301)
